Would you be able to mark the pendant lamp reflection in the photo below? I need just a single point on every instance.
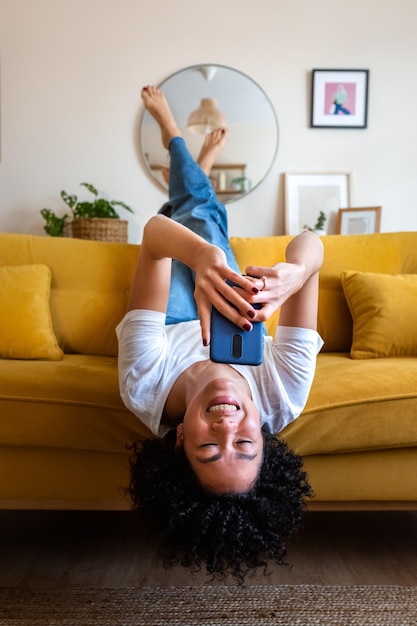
(206, 118)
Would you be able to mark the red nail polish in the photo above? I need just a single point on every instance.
(251, 314)
(205, 343)
(144, 89)
(255, 289)
(247, 327)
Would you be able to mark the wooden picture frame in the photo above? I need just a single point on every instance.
(359, 221)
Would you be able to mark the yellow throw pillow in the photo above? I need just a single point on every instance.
(25, 320)
(384, 312)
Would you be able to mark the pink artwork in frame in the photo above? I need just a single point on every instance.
(340, 98)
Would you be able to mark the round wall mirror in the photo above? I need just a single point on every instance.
(203, 97)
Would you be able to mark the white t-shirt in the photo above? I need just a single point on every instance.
(152, 356)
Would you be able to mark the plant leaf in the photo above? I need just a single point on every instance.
(71, 201)
(122, 204)
(84, 209)
(90, 188)
(103, 208)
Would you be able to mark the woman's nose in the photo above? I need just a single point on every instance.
(225, 424)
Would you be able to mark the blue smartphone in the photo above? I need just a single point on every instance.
(231, 344)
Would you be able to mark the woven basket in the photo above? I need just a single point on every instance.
(100, 229)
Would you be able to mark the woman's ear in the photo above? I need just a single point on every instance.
(180, 436)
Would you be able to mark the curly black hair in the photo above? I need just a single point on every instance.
(232, 533)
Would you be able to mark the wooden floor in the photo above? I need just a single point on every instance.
(108, 549)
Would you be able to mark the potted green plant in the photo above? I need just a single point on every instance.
(319, 226)
(241, 183)
(95, 219)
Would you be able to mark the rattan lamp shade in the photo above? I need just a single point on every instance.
(206, 118)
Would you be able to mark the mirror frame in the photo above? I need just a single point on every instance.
(154, 170)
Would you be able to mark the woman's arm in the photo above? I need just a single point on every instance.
(163, 240)
(292, 285)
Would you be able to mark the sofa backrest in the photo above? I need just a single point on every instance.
(90, 286)
(385, 253)
(91, 280)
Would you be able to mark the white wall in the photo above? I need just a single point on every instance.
(72, 71)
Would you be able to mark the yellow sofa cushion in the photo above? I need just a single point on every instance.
(383, 309)
(25, 318)
(72, 404)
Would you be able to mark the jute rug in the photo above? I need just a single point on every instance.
(300, 605)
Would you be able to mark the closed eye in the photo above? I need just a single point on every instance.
(240, 442)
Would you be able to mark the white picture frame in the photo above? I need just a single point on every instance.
(309, 193)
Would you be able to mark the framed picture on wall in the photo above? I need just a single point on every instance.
(362, 221)
(339, 98)
(307, 194)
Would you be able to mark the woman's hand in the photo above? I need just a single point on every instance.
(276, 285)
(292, 285)
(211, 289)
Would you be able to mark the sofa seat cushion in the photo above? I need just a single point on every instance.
(358, 405)
(69, 404)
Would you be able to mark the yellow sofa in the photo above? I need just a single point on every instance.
(65, 434)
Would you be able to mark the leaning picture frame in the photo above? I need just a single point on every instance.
(359, 221)
(307, 194)
(339, 98)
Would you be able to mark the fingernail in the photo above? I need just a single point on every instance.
(144, 89)
(205, 343)
(251, 314)
(247, 327)
(255, 289)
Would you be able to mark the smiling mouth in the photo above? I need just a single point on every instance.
(223, 407)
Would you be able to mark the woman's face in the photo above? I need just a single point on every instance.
(222, 437)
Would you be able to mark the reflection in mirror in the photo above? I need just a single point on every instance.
(217, 90)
